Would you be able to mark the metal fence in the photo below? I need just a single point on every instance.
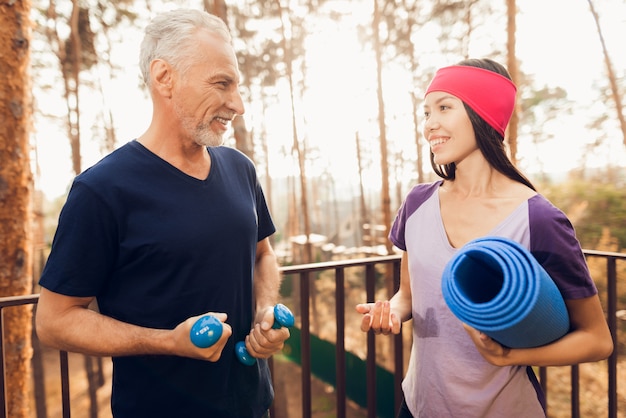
(369, 268)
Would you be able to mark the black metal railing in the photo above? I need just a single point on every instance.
(370, 270)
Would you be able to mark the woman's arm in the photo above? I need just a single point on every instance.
(385, 317)
(589, 340)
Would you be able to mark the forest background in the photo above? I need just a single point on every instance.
(333, 93)
(334, 114)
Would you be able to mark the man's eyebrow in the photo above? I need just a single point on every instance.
(230, 78)
(220, 76)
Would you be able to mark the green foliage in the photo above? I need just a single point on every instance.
(593, 207)
(286, 287)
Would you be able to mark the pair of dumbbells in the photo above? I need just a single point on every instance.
(208, 329)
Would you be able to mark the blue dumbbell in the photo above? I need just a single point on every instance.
(282, 318)
(206, 331)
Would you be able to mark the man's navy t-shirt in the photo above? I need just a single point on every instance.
(156, 246)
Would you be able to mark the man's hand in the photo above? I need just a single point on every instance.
(185, 347)
(263, 341)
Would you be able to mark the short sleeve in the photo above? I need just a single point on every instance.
(416, 197)
(554, 244)
(266, 226)
(79, 263)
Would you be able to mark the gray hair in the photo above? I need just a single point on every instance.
(169, 37)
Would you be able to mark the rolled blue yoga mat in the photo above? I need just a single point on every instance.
(496, 286)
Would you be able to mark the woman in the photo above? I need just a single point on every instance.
(454, 370)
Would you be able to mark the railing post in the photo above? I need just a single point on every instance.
(65, 384)
(370, 289)
(611, 274)
(398, 347)
(305, 344)
(340, 347)
(3, 410)
(575, 391)
(6, 302)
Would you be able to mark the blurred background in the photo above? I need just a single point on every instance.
(333, 92)
(334, 107)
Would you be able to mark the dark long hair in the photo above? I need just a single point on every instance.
(489, 141)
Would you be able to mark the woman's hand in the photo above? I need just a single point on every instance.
(379, 318)
(491, 350)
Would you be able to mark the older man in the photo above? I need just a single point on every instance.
(169, 227)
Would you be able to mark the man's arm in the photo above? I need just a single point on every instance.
(67, 323)
(263, 341)
(267, 277)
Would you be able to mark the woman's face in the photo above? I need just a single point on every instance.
(447, 128)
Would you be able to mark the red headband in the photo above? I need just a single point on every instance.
(489, 94)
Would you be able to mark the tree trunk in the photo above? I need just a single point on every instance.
(418, 141)
(298, 148)
(69, 53)
(384, 162)
(511, 8)
(363, 211)
(243, 141)
(615, 91)
(15, 199)
(268, 179)
(39, 259)
(72, 83)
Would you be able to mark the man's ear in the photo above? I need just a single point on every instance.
(162, 76)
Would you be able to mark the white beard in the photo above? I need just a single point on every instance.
(201, 133)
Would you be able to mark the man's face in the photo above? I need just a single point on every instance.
(206, 96)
